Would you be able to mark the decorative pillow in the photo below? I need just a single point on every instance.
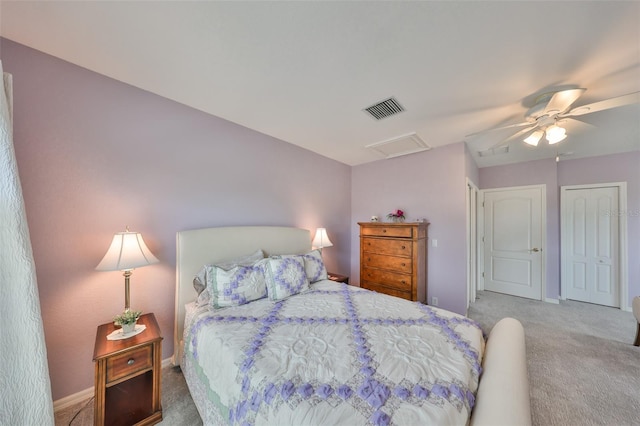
(285, 277)
(313, 265)
(200, 280)
(236, 286)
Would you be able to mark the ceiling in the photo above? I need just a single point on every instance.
(304, 71)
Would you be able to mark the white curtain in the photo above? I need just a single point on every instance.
(24, 374)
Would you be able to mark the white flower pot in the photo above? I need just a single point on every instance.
(128, 328)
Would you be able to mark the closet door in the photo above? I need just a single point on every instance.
(591, 245)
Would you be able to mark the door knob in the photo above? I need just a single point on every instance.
(535, 249)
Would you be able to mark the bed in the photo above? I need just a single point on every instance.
(333, 353)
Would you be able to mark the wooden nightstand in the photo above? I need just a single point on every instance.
(338, 278)
(127, 379)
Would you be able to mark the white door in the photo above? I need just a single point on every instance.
(513, 224)
(591, 245)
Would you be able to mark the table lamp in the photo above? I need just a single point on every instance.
(127, 251)
(321, 239)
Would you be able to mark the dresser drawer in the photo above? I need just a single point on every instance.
(399, 264)
(389, 247)
(387, 278)
(129, 363)
(387, 231)
(386, 290)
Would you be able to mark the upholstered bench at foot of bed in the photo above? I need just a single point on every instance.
(503, 394)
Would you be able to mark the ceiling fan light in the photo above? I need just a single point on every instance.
(555, 134)
(534, 138)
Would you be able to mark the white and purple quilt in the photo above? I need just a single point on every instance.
(336, 354)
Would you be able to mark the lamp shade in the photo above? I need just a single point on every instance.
(534, 138)
(555, 134)
(127, 251)
(321, 239)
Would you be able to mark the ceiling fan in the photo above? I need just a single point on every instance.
(551, 109)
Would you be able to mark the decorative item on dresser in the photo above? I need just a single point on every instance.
(127, 376)
(393, 259)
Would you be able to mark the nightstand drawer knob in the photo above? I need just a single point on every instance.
(131, 361)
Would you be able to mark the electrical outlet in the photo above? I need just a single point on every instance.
(434, 243)
(434, 301)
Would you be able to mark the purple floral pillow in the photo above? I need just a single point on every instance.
(314, 266)
(285, 277)
(236, 286)
(200, 280)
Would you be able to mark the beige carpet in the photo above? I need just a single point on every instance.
(583, 369)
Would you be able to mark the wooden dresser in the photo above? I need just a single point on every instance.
(393, 259)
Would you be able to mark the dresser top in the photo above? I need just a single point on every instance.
(387, 224)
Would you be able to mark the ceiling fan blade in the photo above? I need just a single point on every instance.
(631, 98)
(561, 101)
(510, 126)
(515, 135)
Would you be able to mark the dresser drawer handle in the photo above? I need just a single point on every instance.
(404, 264)
(403, 282)
(131, 361)
(404, 247)
(384, 230)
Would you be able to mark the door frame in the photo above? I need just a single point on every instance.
(543, 237)
(623, 261)
(472, 240)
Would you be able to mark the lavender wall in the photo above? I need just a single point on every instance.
(610, 168)
(613, 168)
(95, 155)
(429, 185)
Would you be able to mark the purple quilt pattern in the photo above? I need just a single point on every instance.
(340, 354)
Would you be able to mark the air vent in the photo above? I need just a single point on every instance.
(402, 145)
(384, 109)
(494, 151)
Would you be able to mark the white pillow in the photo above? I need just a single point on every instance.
(200, 280)
(285, 276)
(236, 286)
(313, 265)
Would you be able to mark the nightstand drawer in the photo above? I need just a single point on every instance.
(399, 264)
(386, 278)
(387, 231)
(389, 247)
(129, 363)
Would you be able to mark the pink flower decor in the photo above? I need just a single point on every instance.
(397, 216)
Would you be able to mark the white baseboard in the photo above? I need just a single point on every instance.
(83, 395)
(554, 301)
(73, 399)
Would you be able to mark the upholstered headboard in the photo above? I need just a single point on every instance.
(198, 247)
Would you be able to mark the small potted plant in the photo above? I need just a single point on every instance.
(127, 320)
